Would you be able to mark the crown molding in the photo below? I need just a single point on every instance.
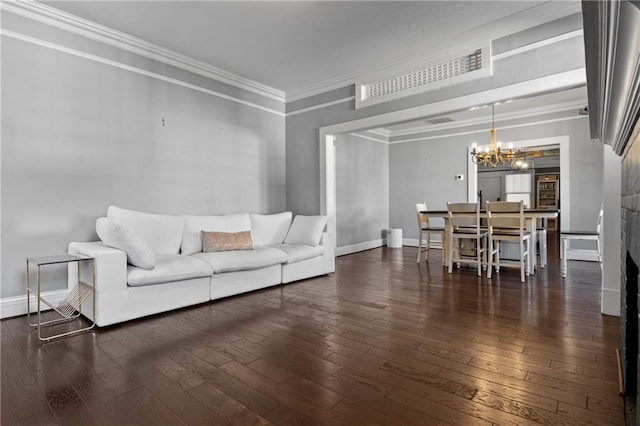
(58, 19)
(612, 56)
(324, 105)
(369, 138)
(116, 64)
(528, 113)
(380, 132)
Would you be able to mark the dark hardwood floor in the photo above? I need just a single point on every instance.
(381, 341)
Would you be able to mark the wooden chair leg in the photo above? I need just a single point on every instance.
(478, 254)
(426, 258)
(419, 244)
(565, 243)
(490, 264)
(542, 240)
(450, 263)
(522, 262)
(484, 253)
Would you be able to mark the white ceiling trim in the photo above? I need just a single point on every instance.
(130, 68)
(56, 18)
(370, 138)
(324, 105)
(380, 132)
(471, 132)
(532, 112)
(538, 44)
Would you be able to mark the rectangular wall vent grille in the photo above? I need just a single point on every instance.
(418, 81)
(440, 120)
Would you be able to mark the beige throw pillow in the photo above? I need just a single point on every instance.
(226, 241)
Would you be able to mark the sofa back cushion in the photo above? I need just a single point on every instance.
(162, 232)
(270, 229)
(306, 230)
(119, 234)
(194, 225)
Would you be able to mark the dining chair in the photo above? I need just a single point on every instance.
(567, 236)
(464, 223)
(507, 223)
(425, 230)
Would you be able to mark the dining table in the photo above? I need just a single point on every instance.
(531, 217)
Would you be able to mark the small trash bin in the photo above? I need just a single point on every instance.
(394, 237)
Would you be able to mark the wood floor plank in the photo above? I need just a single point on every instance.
(361, 414)
(548, 403)
(227, 408)
(435, 409)
(524, 410)
(577, 399)
(286, 396)
(588, 416)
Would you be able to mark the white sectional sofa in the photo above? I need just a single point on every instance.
(150, 263)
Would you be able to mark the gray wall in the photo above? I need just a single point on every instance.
(79, 135)
(362, 190)
(425, 170)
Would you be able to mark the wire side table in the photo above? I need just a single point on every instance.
(70, 307)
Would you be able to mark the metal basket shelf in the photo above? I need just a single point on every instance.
(70, 305)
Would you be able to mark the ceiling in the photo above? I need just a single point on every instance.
(294, 46)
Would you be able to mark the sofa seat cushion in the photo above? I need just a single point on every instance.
(169, 267)
(299, 252)
(239, 260)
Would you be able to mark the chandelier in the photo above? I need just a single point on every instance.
(492, 155)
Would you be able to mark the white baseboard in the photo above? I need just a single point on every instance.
(14, 306)
(582, 254)
(610, 302)
(354, 248)
(368, 245)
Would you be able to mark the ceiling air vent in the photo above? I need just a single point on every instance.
(440, 120)
(466, 67)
